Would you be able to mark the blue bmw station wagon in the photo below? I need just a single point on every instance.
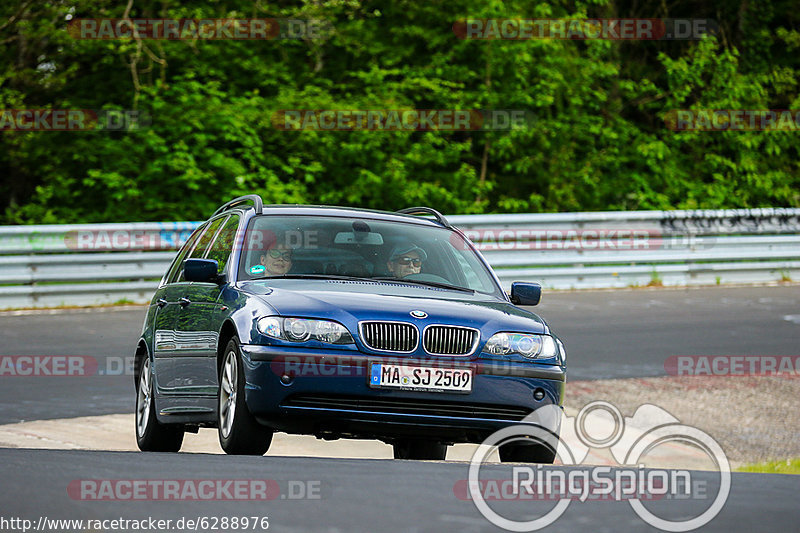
(342, 323)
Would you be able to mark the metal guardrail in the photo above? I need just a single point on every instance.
(88, 264)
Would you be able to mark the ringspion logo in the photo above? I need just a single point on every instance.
(629, 442)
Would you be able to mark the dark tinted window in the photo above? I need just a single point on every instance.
(221, 248)
(204, 242)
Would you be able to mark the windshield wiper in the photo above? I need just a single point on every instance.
(436, 284)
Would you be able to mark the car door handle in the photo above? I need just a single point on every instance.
(184, 302)
(161, 302)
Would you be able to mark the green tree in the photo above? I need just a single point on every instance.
(597, 140)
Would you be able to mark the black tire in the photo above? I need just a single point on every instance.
(239, 432)
(151, 435)
(527, 453)
(422, 450)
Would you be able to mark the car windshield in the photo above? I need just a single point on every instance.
(329, 247)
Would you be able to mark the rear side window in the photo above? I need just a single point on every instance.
(204, 242)
(220, 250)
(176, 269)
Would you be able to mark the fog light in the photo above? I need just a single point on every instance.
(538, 395)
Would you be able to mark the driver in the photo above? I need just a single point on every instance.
(277, 260)
(406, 259)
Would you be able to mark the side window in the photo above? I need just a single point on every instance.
(203, 243)
(221, 248)
(177, 264)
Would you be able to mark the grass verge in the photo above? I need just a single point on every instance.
(789, 466)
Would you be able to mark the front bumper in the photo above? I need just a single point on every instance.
(327, 394)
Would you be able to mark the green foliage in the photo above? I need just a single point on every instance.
(599, 139)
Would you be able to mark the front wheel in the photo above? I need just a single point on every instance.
(239, 432)
(419, 449)
(151, 435)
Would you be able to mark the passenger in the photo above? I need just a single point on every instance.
(277, 260)
(406, 259)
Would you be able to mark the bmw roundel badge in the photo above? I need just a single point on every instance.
(416, 313)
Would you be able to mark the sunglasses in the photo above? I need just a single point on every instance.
(286, 256)
(405, 261)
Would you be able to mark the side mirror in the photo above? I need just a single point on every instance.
(525, 293)
(200, 270)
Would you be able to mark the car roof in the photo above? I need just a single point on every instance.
(337, 211)
(408, 214)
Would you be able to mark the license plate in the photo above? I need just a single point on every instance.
(419, 378)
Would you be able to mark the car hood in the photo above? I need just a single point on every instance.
(352, 303)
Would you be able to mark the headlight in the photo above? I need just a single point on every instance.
(303, 329)
(297, 329)
(525, 344)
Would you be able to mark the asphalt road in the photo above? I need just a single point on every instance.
(608, 334)
(619, 334)
(353, 495)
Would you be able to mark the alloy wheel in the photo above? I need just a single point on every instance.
(143, 399)
(227, 394)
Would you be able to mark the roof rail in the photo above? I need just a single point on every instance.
(258, 204)
(426, 211)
